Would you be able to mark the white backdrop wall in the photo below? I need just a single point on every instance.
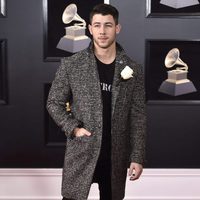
(154, 184)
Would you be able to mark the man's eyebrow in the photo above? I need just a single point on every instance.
(102, 23)
(108, 23)
(96, 22)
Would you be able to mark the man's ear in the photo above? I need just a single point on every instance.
(118, 28)
(90, 28)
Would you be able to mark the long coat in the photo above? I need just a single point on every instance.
(77, 82)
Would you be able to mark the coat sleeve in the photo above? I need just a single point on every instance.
(59, 95)
(138, 119)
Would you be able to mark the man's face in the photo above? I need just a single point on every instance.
(104, 30)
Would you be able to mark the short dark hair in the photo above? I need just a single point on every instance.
(105, 9)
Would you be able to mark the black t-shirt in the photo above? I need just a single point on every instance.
(106, 74)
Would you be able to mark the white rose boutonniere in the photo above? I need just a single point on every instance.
(127, 73)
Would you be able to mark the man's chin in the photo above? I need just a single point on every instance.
(103, 46)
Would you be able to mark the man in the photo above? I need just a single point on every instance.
(105, 128)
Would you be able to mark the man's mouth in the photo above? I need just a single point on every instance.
(103, 38)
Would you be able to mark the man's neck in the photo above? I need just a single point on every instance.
(107, 55)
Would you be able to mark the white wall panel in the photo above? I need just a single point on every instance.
(154, 184)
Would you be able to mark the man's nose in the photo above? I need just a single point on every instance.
(102, 30)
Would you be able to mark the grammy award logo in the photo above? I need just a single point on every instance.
(75, 39)
(177, 82)
(176, 4)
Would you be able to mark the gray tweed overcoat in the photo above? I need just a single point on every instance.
(77, 81)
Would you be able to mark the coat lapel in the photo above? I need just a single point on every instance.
(94, 77)
(119, 64)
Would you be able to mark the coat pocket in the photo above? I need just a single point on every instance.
(77, 146)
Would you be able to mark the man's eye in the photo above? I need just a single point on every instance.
(109, 25)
